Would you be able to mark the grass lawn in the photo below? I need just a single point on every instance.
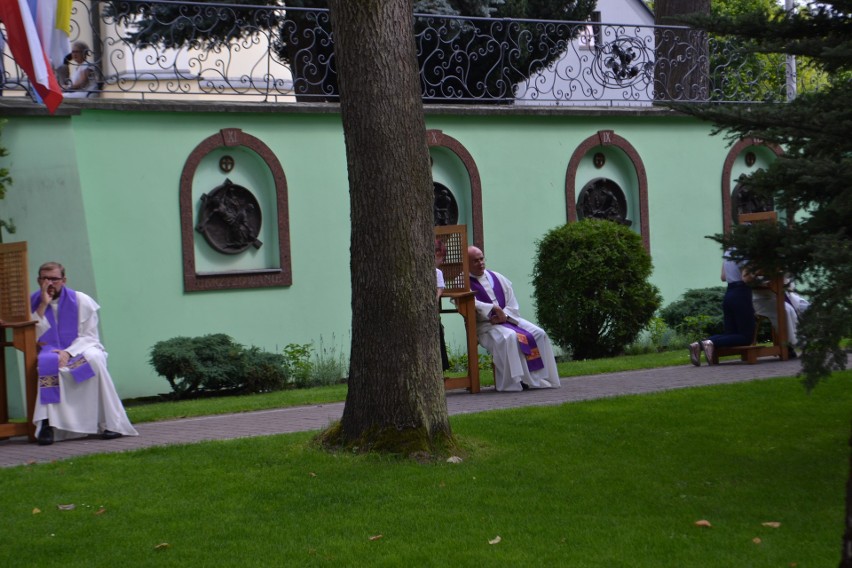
(150, 412)
(616, 482)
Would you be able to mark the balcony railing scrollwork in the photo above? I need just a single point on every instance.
(146, 49)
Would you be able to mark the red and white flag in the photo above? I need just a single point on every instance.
(28, 51)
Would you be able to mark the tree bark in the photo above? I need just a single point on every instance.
(395, 400)
(682, 66)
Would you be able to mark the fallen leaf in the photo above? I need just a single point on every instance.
(100, 511)
(162, 546)
(771, 524)
(495, 540)
(312, 474)
(36, 511)
(376, 537)
(703, 523)
(756, 540)
(454, 459)
(69, 507)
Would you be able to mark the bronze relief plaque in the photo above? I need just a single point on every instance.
(230, 218)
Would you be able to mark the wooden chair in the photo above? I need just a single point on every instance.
(750, 353)
(457, 289)
(15, 315)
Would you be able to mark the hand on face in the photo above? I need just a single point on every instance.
(51, 283)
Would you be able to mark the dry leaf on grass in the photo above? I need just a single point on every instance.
(703, 523)
(495, 540)
(771, 524)
(36, 511)
(100, 511)
(756, 540)
(162, 546)
(376, 537)
(454, 459)
(312, 474)
(69, 507)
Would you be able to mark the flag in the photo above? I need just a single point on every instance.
(28, 52)
(53, 23)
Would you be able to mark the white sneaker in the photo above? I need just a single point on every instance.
(707, 347)
(695, 354)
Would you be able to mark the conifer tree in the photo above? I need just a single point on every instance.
(812, 180)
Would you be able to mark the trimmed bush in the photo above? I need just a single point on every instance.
(591, 287)
(210, 363)
(697, 314)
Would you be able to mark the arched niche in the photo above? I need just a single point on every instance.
(738, 162)
(454, 168)
(608, 155)
(232, 156)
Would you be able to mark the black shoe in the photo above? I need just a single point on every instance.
(525, 386)
(791, 353)
(110, 435)
(45, 435)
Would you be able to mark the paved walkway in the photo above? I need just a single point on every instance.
(16, 451)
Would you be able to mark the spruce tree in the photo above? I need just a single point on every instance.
(812, 180)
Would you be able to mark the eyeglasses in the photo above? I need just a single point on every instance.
(53, 279)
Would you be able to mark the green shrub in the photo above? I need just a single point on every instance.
(591, 287)
(264, 371)
(693, 303)
(297, 361)
(211, 363)
(309, 367)
(458, 360)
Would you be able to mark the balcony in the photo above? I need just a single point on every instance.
(166, 50)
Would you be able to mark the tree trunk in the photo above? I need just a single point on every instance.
(395, 400)
(682, 66)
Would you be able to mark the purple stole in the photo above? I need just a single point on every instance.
(525, 339)
(58, 337)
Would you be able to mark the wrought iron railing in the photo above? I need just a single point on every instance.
(177, 50)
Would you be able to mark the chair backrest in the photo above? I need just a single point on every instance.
(758, 217)
(455, 265)
(14, 283)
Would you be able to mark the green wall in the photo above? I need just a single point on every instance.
(99, 191)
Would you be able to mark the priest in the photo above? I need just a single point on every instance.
(522, 352)
(76, 396)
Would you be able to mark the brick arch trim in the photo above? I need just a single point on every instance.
(733, 154)
(438, 138)
(609, 138)
(194, 281)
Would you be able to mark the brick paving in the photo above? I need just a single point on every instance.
(16, 451)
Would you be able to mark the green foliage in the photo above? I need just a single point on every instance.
(811, 181)
(591, 287)
(697, 311)
(309, 367)
(210, 363)
(458, 360)
(297, 361)
(696, 328)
